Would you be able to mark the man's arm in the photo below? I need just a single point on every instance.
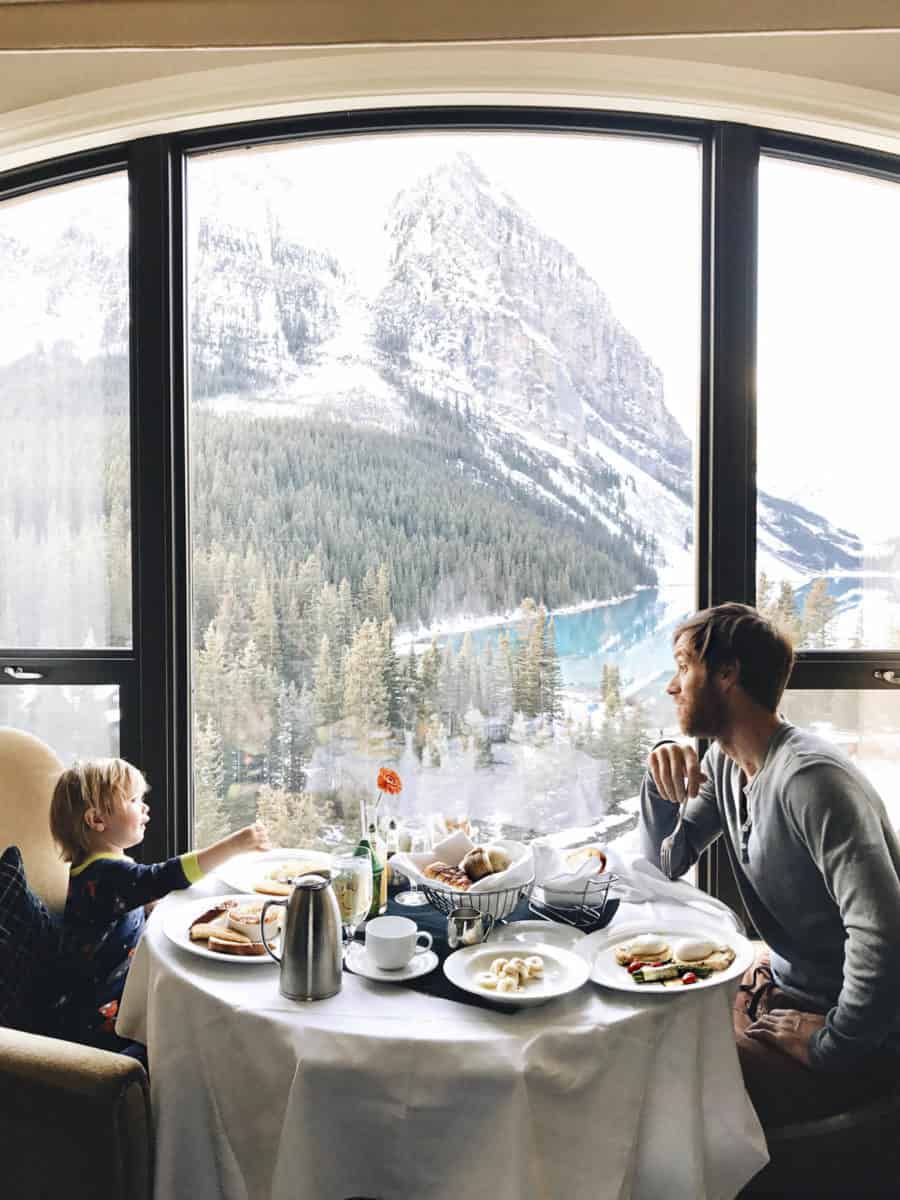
(678, 771)
(850, 846)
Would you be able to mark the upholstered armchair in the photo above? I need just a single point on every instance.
(74, 1121)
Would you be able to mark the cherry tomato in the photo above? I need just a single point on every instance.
(633, 967)
(689, 977)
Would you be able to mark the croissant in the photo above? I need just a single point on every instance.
(477, 863)
(452, 876)
(498, 858)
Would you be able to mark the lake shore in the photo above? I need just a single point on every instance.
(453, 626)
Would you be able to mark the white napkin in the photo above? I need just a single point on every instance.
(564, 885)
(453, 849)
(641, 881)
(550, 866)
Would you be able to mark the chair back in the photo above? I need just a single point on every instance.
(28, 773)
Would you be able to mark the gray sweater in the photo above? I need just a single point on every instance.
(818, 867)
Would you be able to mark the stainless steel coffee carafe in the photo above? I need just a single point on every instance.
(311, 956)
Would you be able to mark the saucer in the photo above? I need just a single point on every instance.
(359, 962)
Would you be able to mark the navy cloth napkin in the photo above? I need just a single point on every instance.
(436, 983)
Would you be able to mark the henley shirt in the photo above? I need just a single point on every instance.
(818, 868)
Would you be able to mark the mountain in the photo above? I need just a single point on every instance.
(484, 334)
(483, 313)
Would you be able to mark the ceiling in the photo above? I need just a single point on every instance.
(842, 82)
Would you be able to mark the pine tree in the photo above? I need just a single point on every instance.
(784, 613)
(611, 689)
(381, 598)
(365, 694)
(393, 677)
(264, 625)
(429, 673)
(764, 593)
(328, 690)
(210, 818)
(551, 675)
(818, 611)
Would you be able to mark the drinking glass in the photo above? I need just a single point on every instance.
(419, 842)
(352, 883)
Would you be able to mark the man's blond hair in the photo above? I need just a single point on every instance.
(100, 783)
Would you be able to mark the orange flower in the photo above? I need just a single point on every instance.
(389, 781)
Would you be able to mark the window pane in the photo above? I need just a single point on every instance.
(443, 394)
(828, 404)
(76, 721)
(864, 725)
(65, 506)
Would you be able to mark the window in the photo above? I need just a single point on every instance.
(444, 393)
(65, 474)
(829, 259)
(863, 726)
(830, 575)
(407, 438)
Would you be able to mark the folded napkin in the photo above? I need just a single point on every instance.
(453, 849)
(639, 880)
(563, 884)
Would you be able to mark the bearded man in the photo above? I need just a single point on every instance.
(817, 1019)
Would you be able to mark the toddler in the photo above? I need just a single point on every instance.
(98, 811)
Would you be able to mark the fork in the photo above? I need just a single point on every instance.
(665, 850)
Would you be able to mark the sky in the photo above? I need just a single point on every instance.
(629, 209)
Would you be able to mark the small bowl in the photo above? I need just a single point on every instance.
(245, 919)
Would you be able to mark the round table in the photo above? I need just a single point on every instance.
(388, 1093)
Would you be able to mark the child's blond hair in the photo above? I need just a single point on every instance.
(100, 783)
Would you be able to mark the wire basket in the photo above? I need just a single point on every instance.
(497, 904)
(587, 909)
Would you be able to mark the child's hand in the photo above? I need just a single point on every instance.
(254, 837)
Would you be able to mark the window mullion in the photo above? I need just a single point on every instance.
(158, 486)
(728, 424)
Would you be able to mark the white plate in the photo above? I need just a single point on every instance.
(599, 949)
(359, 963)
(245, 871)
(564, 971)
(177, 923)
(527, 932)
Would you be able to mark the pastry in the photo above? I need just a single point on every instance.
(477, 863)
(244, 918)
(452, 876)
(201, 932)
(586, 854)
(499, 859)
(269, 887)
(222, 945)
(206, 918)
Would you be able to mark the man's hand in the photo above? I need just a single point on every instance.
(788, 1031)
(676, 772)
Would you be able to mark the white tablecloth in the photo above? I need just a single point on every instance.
(385, 1092)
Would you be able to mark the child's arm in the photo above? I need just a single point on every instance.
(254, 837)
(119, 885)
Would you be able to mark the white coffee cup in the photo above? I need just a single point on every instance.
(391, 942)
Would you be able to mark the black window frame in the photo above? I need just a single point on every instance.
(154, 676)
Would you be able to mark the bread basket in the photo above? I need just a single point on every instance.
(498, 904)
